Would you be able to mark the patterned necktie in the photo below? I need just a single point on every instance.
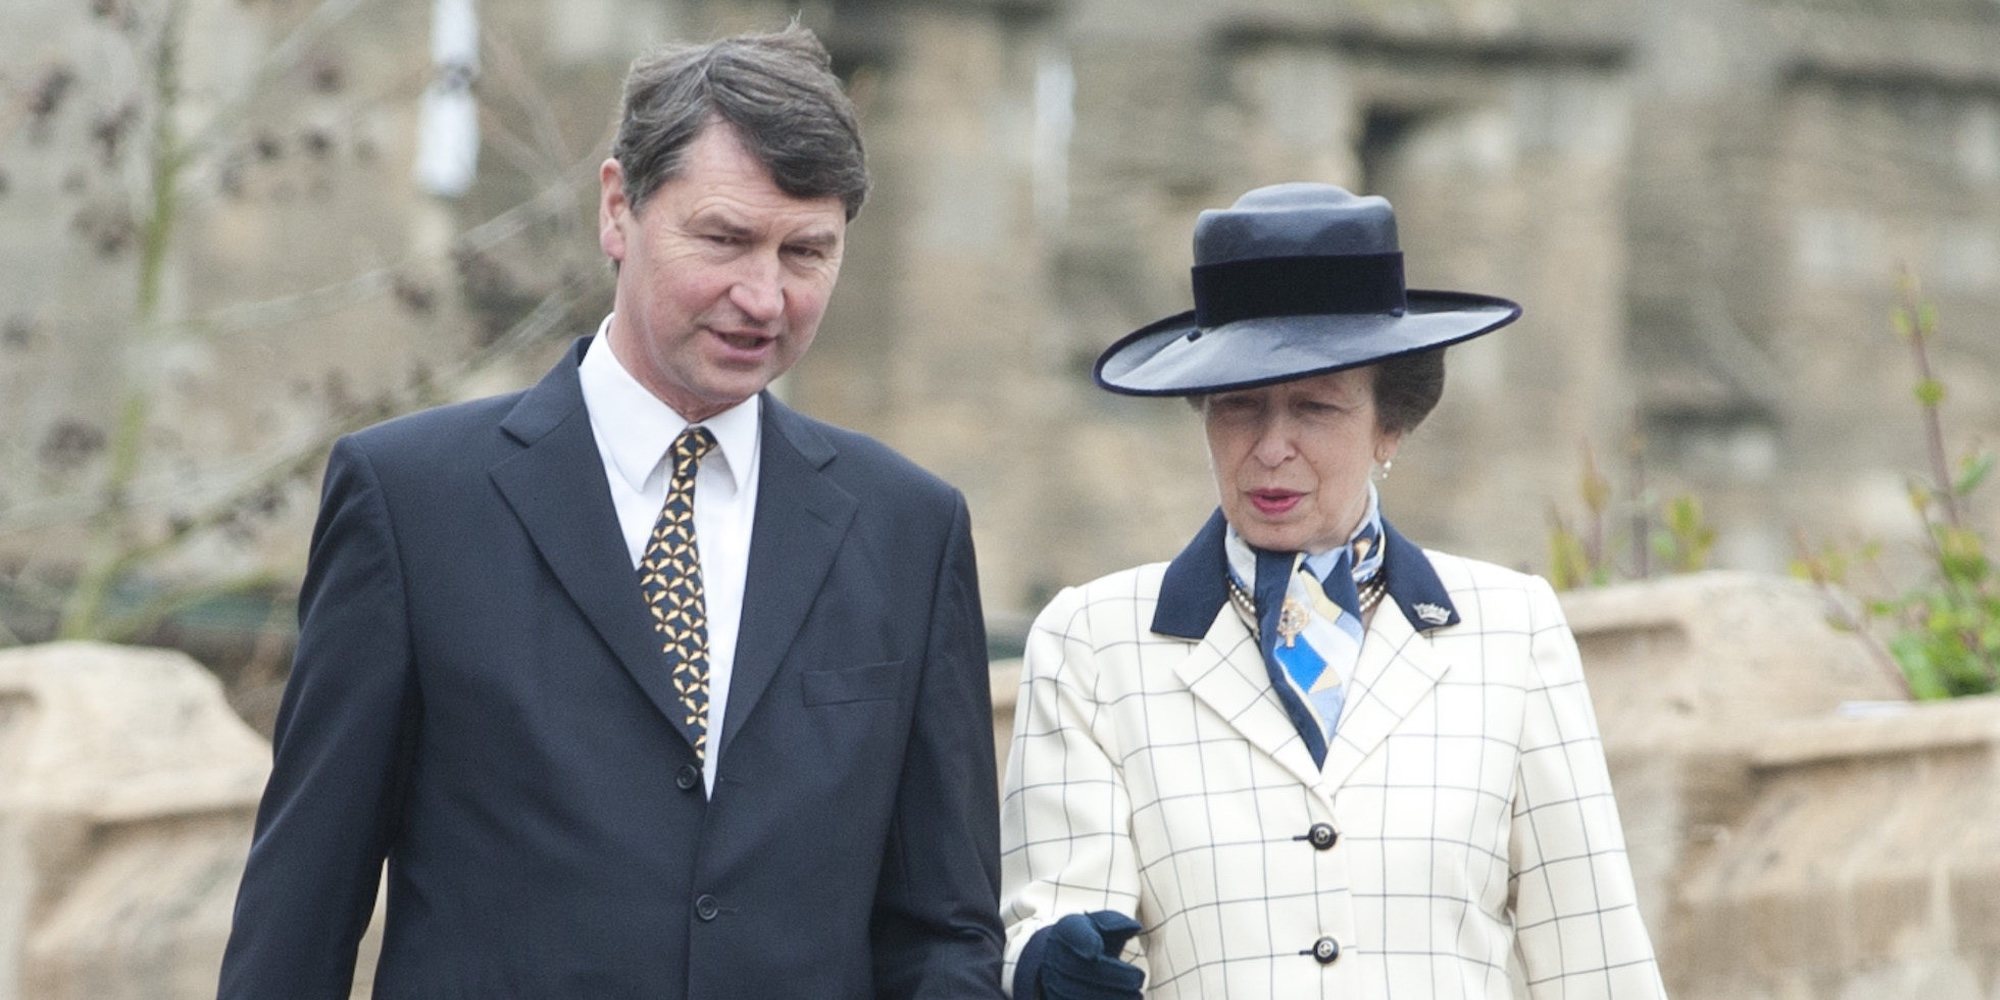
(670, 577)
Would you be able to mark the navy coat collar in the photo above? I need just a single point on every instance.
(1196, 584)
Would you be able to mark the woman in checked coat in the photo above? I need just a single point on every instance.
(1307, 758)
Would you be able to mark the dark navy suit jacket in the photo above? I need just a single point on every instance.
(479, 700)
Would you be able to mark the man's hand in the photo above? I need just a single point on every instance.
(1082, 961)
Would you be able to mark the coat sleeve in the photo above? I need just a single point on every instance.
(340, 748)
(1578, 931)
(936, 929)
(1065, 815)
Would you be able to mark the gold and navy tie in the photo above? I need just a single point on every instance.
(670, 576)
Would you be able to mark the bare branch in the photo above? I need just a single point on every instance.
(176, 600)
(546, 154)
(283, 311)
(283, 56)
(1930, 391)
(281, 462)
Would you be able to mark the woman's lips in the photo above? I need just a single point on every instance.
(1272, 503)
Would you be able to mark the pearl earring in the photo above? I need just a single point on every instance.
(1382, 471)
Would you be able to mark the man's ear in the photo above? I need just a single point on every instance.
(613, 210)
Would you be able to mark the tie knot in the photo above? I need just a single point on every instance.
(691, 445)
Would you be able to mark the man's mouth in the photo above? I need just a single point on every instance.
(745, 342)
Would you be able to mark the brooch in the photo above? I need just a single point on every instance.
(1431, 613)
(1292, 620)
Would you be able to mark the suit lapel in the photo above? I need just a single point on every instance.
(1226, 672)
(556, 487)
(802, 515)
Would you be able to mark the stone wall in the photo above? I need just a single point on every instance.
(1797, 829)
(1864, 863)
(288, 282)
(1703, 206)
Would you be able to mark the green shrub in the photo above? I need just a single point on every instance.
(1670, 535)
(1943, 630)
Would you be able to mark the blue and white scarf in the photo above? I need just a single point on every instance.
(1311, 638)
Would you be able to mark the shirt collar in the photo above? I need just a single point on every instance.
(636, 429)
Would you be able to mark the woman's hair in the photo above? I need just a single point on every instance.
(1407, 388)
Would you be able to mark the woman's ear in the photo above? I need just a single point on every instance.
(1386, 446)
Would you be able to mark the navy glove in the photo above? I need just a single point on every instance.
(1082, 959)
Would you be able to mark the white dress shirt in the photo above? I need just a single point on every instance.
(635, 432)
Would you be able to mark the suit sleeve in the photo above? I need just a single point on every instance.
(936, 929)
(1576, 916)
(330, 808)
(1065, 814)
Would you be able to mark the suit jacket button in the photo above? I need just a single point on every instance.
(1325, 950)
(706, 908)
(1322, 836)
(687, 777)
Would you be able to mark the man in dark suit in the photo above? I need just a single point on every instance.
(641, 683)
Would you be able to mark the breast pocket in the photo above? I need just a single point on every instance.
(872, 682)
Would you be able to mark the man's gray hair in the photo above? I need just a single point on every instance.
(777, 91)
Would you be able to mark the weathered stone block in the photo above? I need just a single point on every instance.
(127, 790)
(127, 793)
(1867, 865)
(1797, 829)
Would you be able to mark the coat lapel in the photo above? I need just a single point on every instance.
(1398, 665)
(1397, 669)
(802, 515)
(556, 487)
(1225, 670)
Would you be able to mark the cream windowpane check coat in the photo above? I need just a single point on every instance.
(1159, 775)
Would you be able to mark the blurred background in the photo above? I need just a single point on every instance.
(231, 230)
(235, 228)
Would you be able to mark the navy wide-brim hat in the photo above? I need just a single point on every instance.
(1291, 281)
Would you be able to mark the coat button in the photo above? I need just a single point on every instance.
(706, 908)
(687, 777)
(1325, 950)
(1322, 836)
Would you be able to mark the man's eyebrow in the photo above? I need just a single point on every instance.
(721, 224)
(817, 239)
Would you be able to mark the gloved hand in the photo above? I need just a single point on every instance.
(1082, 959)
